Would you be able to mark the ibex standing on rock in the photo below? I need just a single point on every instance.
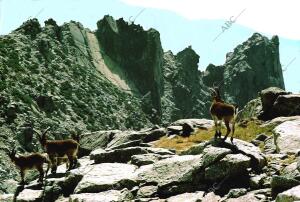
(29, 162)
(59, 148)
(221, 111)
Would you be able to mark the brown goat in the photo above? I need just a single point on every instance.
(59, 148)
(219, 111)
(29, 162)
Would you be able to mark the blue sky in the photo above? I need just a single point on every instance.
(178, 27)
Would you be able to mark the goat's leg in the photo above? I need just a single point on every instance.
(228, 129)
(53, 164)
(71, 162)
(75, 161)
(22, 172)
(41, 171)
(233, 128)
(220, 127)
(216, 127)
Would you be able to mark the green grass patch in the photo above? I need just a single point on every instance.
(246, 130)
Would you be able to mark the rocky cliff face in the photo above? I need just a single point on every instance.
(139, 54)
(250, 68)
(185, 95)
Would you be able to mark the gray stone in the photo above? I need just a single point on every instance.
(256, 182)
(258, 159)
(172, 170)
(7, 197)
(155, 135)
(231, 165)
(107, 196)
(174, 130)
(29, 195)
(124, 155)
(191, 197)
(290, 195)
(282, 183)
(195, 123)
(196, 149)
(269, 96)
(147, 191)
(287, 137)
(124, 137)
(96, 140)
(250, 197)
(145, 159)
(211, 196)
(213, 154)
(117, 155)
(105, 176)
(235, 193)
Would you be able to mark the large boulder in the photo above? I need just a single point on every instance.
(258, 159)
(175, 171)
(290, 195)
(231, 165)
(269, 95)
(287, 137)
(105, 176)
(282, 183)
(29, 195)
(277, 102)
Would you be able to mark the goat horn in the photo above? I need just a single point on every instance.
(213, 90)
(38, 134)
(44, 133)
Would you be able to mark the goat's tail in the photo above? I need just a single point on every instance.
(236, 110)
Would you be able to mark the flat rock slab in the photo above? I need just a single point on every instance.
(287, 136)
(248, 197)
(101, 177)
(107, 196)
(178, 169)
(196, 123)
(29, 195)
(292, 194)
(6, 197)
(191, 197)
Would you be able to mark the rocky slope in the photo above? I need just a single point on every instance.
(126, 167)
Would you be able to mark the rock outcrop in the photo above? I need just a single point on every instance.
(124, 166)
(251, 67)
(272, 102)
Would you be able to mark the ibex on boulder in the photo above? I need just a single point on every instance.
(59, 148)
(29, 162)
(221, 111)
